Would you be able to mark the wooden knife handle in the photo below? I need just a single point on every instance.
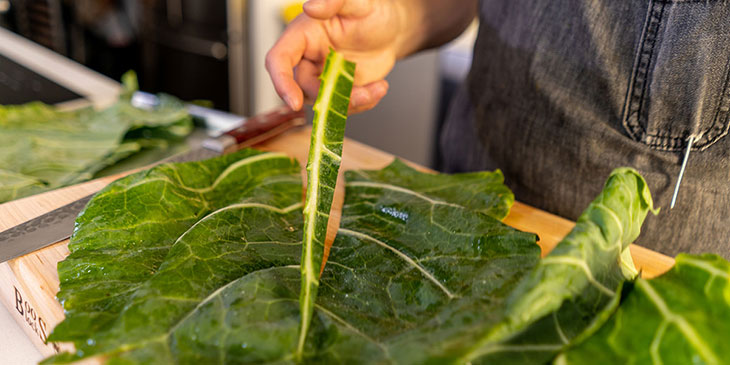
(256, 129)
(262, 123)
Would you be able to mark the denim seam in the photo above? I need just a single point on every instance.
(636, 94)
(664, 143)
(721, 123)
(631, 120)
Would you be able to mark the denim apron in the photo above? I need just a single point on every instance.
(561, 92)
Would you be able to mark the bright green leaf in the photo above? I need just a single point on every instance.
(574, 289)
(325, 151)
(681, 317)
(42, 148)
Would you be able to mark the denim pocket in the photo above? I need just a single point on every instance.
(679, 84)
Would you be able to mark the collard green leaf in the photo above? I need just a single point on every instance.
(574, 289)
(681, 317)
(483, 191)
(413, 278)
(42, 148)
(325, 151)
(200, 263)
(38, 143)
(16, 185)
(410, 276)
(120, 274)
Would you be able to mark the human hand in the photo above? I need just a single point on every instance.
(368, 32)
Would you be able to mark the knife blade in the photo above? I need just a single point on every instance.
(58, 224)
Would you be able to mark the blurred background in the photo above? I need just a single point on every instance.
(215, 50)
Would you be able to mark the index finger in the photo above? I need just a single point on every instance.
(281, 59)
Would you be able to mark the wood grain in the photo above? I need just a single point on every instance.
(33, 277)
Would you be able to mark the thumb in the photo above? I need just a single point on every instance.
(367, 96)
(325, 9)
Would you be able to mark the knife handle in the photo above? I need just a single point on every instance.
(257, 126)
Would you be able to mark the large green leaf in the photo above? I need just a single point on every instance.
(16, 185)
(409, 276)
(482, 192)
(52, 148)
(405, 262)
(681, 317)
(412, 277)
(42, 148)
(574, 289)
(210, 212)
(325, 151)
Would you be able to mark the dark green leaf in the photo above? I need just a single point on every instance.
(198, 263)
(681, 317)
(410, 276)
(482, 191)
(241, 207)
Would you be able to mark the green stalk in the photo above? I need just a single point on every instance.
(325, 151)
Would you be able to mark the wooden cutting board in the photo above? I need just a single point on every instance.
(29, 283)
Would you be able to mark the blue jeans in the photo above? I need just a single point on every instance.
(563, 91)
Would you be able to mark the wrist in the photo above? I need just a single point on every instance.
(411, 33)
(430, 23)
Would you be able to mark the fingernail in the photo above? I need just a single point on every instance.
(313, 5)
(289, 101)
(357, 98)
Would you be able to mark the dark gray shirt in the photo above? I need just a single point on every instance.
(561, 92)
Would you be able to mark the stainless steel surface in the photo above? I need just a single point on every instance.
(219, 144)
(681, 171)
(216, 122)
(194, 155)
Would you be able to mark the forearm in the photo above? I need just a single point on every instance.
(431, 23)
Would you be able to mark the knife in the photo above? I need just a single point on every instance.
(58, 224)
